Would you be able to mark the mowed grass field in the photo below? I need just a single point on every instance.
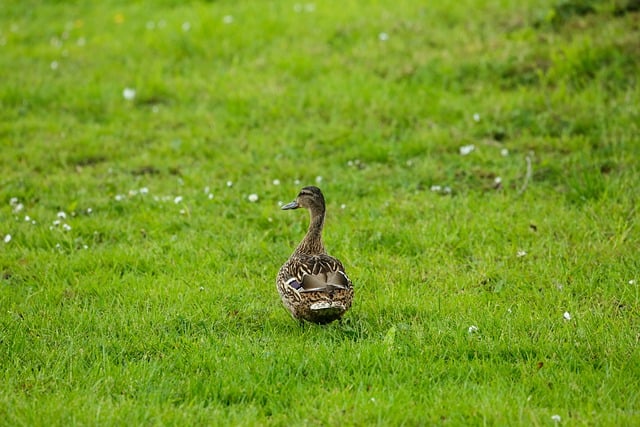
(480, 161)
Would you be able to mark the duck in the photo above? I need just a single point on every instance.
(312, 284)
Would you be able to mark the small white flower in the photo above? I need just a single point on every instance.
(207, 190)
(144, 190)
(343, 206)
(177, 199)
(7, 238)
(276, 182)
(201, 288)
(467, 149)
(119, 197)
(54, 65)
(497, 180)
(350, 163)
(129, 94)
(89, 210)
(280, 203)
(17, 208)
(61, 215)
(473, 329)
(566, 315)
(228, 19)
(183, 211)
(34, 222)
(446, 189)
(27, 218)
(504, 152)
(56, 223)
(66, 227)
(133, 192)
(556, 418)
(383, 37)
(436, 188)
(632, 282)
(253, 198)
(229, 183)
(13, 201)
(476, 117)
(186, 26)
(521, 253)
(296, 182)
(318, 179)
(85, 247)
(210, 196)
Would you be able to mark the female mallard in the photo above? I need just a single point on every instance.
(312, 284)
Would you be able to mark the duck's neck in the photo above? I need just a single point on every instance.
(312, 242)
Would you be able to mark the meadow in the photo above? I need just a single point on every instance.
(480, 161)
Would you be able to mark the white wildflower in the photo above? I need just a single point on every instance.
(521, 253)
(383, 37)
(253, 198)
(27, 218)
(177, 199)
(7, 238)
(566, 315)
(119, 197)
(144, 190)
(129, 94)
(343, 206)
(17, 208)
(497, 180)
(436, 188)
(504, 152)
(61, 215)
(186, 26)
(89, 210)
(556, 418)
(207, 190)
(66, 227)
(13, 201)
(276, 182)
(229, 183)
(467, 149)
(318, 179)
(54, 65)
(632, 282)
(227, 19)
(473, 329)
(210, 196)
(476, 117)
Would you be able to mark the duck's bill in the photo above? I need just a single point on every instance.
(292, 205)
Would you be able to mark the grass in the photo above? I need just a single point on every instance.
(487, 291)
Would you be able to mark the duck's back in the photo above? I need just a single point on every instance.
(315, 287)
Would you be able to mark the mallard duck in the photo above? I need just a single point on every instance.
(312, 284)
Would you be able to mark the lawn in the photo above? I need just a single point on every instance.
(481, 165)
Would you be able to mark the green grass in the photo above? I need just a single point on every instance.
(159, 307)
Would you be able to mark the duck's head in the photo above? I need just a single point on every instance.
(310, 198)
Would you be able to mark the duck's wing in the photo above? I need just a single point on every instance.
(316, 273)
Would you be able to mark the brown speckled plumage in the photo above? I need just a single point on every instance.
(312, 284)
